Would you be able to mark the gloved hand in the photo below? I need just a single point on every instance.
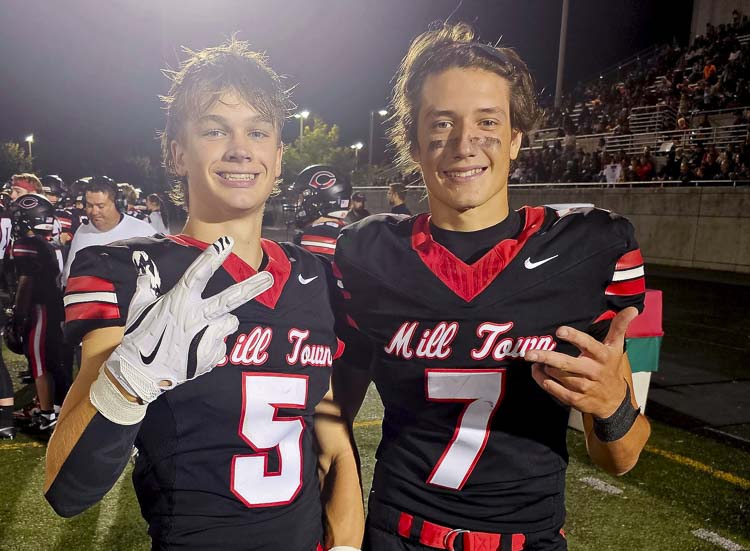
(178, 336)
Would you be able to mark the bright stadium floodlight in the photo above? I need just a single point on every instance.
(356, 147)
(302, 115)
(382, 113)
(29, 140)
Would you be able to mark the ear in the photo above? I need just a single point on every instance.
(515, 143)
(279, 156)
(178, 154)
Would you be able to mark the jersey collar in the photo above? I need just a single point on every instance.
(469, 280)
(278, 266)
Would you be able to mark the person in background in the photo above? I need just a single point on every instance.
(107, 221)
(357, 210)
(153, 204)
(396, 195)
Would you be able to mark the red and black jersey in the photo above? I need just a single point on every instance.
(43, 261)
(67, 222)
(469, 439)
(225, 460)
(320, 236)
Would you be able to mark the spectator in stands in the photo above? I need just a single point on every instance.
(725, 171)
(709, 72)
(686, 174)
(107, 221)
(21, 184)
(645, 168)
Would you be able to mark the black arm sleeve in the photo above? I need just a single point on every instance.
(93, 466)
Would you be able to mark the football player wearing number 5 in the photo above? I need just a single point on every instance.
(211, 351)
(486, 324)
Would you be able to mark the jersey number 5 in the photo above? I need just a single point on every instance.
(263, 430)
(481, 391)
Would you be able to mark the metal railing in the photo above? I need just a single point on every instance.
(720, 136)
(621, 185)
(652, 118)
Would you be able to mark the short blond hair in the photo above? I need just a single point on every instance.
(202, 78)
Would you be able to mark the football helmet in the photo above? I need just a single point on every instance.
(32, 212)
(319, 190)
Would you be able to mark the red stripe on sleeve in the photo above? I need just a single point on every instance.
(336, 272)
(630, 287)
(319, 239)
(88, 283)
(346, 294)
(318, 250)
(629, 260)
(91, 310)
(351, 322)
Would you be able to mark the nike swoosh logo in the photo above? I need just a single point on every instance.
(150, 358)
(305, 280)
(529, 265)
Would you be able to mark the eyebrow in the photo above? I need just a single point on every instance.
(221, 120)
(482, 111)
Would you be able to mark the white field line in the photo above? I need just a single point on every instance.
(601, 485)
(716, 539)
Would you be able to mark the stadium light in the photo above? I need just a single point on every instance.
(29, 140)
(356, 147)
(302, 115)
(382, 113)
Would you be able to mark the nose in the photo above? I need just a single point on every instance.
(239, 150)
(463, 143)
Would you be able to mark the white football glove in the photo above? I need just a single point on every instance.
(179, 336)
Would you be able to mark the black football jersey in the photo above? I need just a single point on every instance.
(320, 237)
(43, 261)
(469, 439)
(226, 461)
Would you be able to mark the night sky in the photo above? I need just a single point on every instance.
(84, 76)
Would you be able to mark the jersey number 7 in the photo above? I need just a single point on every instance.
(260, 426)
(481, 391)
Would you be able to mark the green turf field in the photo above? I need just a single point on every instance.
(683, 485)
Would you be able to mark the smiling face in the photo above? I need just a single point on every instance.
(464, 147)
(231, 156)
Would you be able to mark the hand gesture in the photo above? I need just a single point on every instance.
(592, 382)
(175, 337)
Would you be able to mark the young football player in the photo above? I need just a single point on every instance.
(206, 350)
(38, 305)
(486, 324)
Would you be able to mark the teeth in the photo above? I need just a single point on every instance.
(236, 176)
(462, 174)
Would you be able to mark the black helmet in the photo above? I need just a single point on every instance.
(32, 212)
(53, 184)
(320, 190)
(13, 337)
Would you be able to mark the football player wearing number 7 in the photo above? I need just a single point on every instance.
(486, 324)
(211, 351)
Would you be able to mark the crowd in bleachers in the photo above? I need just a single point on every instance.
(684, 81)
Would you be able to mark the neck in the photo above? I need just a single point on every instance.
(477, 218)
(246, 233)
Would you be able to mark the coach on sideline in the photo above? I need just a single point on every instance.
(107, 222)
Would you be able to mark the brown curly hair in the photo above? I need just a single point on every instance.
(442, 47)
(203, 78)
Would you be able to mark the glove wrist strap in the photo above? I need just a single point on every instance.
(111, 403)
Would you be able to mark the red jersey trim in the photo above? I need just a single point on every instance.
(91, 310)
(278, 266)
(633, 259)
(84, 284)
(468, 281)
(627, 288)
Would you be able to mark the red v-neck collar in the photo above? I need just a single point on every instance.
(278, 266)
(468, 280)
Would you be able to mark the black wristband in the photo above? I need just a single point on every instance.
(619, 423)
